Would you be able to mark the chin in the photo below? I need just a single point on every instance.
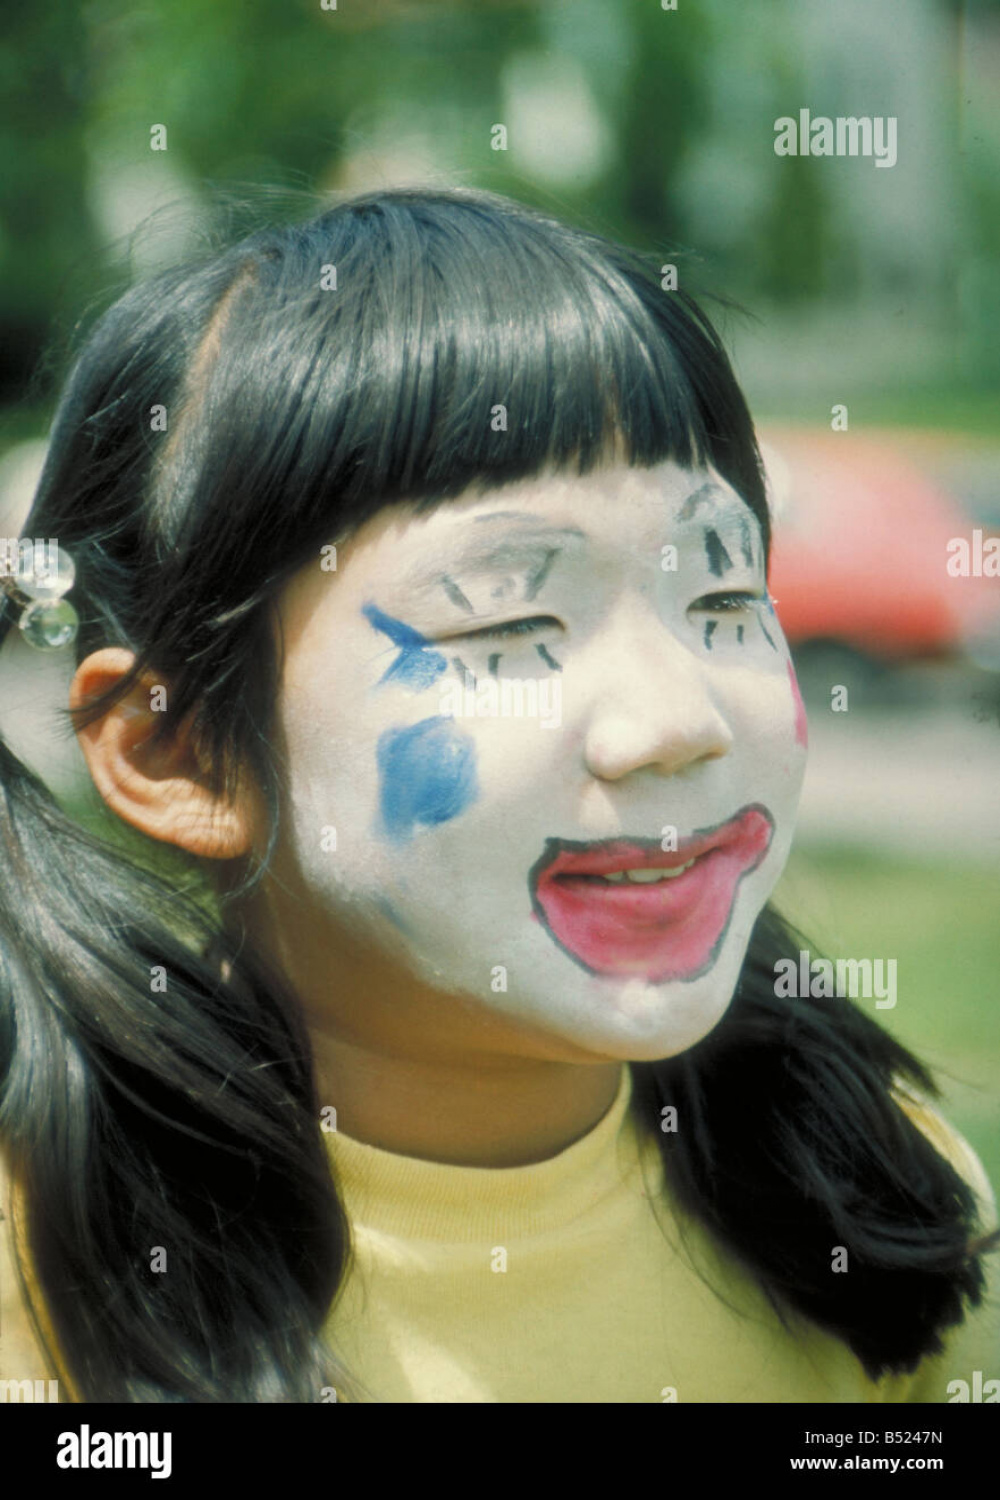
(635, 1021)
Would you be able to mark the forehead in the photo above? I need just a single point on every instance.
(619, 508)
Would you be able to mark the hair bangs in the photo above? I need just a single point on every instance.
(409, 347)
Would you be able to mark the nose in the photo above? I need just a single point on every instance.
(651, 704)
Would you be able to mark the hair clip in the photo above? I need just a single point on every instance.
(42, 572)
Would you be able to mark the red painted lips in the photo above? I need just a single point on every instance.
(667, 930)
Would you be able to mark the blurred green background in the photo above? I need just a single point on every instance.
(877, 287)
(938, 919)
(657, 125)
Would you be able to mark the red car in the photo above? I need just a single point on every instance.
(861, 549)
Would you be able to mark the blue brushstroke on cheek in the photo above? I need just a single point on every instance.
(390, 913)
(418, 665)
(427, 773)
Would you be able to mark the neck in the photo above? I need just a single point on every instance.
(509, 1114)
(422, 1073)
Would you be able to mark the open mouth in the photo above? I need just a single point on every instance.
(624, 907)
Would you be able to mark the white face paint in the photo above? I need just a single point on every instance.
(591, 870)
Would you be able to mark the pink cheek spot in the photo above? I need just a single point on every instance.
(801, 723)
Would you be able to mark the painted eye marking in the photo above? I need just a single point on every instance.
(504, 632)
(418, 665)
(504, 591)
(463, 671)
(746, 543)
(726, 604)
(536, 579)
(717, 501)
(719, 561)
(493, 663)
(707, 494)
(766, 636)
(455, 594)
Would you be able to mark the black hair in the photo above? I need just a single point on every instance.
(311, 374)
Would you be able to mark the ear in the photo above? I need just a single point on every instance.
(160, 789)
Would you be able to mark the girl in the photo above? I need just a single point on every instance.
(420, 605)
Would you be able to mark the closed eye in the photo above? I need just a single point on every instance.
(509, 628)
(722, 603)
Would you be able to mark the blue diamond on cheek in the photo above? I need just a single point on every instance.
(427, 775)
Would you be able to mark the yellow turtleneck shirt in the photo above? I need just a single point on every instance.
(572, 1280)
(556, 1282)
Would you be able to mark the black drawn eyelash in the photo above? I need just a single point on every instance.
(734, 600)
(510, 628)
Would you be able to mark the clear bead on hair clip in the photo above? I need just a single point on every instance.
(42, 574)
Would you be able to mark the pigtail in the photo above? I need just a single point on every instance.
(793, 1144)
(162, 1128)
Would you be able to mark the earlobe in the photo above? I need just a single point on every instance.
(158, 786)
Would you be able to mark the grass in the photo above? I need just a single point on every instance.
(940, 920)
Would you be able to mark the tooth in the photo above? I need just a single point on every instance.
(649, 876)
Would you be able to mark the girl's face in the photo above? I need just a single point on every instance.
(544, 752)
